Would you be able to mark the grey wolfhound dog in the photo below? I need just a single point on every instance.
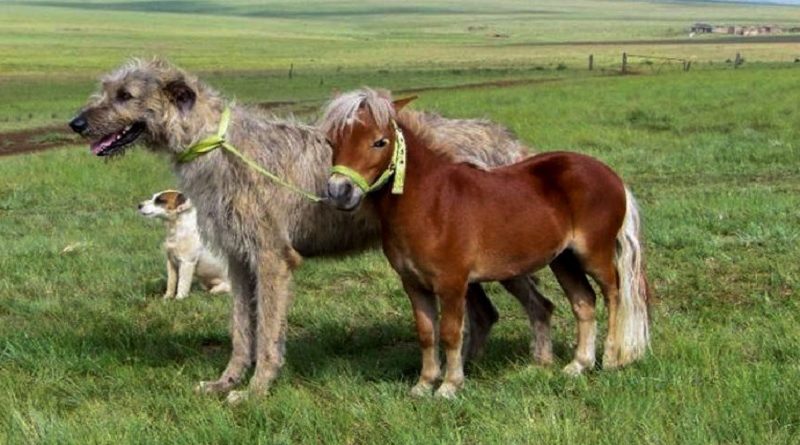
(260, 227)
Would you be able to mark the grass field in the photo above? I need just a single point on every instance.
(89, 353)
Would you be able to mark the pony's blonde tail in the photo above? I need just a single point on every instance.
(632, 317)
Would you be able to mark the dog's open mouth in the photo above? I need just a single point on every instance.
(115, 142)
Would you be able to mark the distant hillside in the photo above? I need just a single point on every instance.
(755, 2)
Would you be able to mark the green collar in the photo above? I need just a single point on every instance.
(210, 143)
(396, 168)
(216, 141)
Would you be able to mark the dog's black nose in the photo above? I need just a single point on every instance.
(140, 206)
(79, 124)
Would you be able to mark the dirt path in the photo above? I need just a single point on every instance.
(36, 139)
(54, 136)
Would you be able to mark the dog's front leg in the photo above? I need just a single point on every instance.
(273, 299)
(242, 330)
(185, 275)
(172, 279)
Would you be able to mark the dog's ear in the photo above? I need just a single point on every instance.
(181, 94)
(182, 203)
(400, 103)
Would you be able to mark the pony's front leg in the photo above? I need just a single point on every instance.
(451, 328)
(423, 302)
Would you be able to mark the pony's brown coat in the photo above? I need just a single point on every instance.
(455, 224)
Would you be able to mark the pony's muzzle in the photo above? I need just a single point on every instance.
(342, 193)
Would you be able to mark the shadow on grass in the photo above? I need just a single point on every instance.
(376, 351)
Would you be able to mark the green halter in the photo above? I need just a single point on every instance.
(396, 168)
(216, 141)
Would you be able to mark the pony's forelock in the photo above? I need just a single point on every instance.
(342, 111)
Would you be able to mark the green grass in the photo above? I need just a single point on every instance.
(90, 354)
(52, 52)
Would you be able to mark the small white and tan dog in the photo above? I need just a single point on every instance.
(186, 254)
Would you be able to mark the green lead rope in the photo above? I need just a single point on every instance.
(216, 141)
(397, 168)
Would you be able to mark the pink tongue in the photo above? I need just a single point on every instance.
(102, 144)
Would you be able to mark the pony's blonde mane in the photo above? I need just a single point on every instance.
(343, 110)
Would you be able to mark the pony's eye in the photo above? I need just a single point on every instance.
(380, 143)
(123, 96)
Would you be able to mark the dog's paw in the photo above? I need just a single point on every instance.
(221, 288)
(181, 296)
(237, 397)
(168, 296)
(212, 387)
(574, 369)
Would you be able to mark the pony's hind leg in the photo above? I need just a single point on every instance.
(423, 303)
(572, 278)
(539, 310)
(604, 270)
(452, 300)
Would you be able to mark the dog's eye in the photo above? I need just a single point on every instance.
(123, 96)
(380, 143)
(160, 200)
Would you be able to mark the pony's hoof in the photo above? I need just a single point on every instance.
(215, 387)
(421, 389)
(574, 369)
(237, 397)
(446, 391)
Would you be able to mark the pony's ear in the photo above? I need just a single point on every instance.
(400, 103)
(181, 94)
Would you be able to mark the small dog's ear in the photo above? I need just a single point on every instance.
(182, 203)
(181, 94)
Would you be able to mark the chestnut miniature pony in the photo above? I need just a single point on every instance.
(447, 225)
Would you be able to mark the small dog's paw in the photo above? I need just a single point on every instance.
(181, 296)
(220, 289)
(168, 296)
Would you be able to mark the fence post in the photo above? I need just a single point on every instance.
(291, 69)
(591, 61)
(624, 63)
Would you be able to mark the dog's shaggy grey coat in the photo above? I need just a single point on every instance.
(260, 227)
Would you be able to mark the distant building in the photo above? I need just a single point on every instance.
(701, 28)
(750, 30)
